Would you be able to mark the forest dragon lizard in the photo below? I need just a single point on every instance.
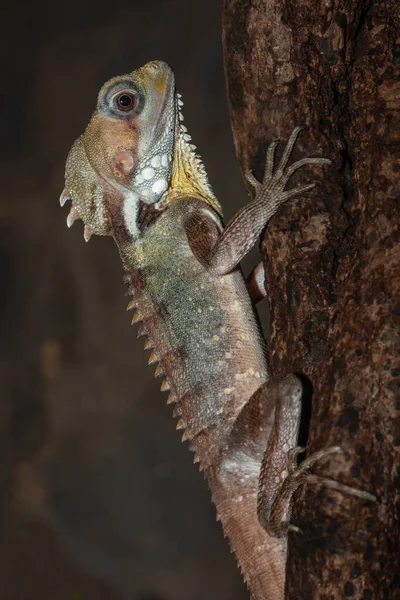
(134, 175)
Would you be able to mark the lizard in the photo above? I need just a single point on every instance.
(134, 175)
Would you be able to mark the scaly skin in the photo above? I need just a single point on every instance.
(133, 175)
(211, 351)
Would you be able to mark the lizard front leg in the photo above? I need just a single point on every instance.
(244, 229)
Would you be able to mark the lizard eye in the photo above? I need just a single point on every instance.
(125, 101)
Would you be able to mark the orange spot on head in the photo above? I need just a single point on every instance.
(160, 85)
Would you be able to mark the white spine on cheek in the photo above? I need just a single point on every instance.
(131, 208)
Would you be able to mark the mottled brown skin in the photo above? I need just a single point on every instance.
(332, 265)
(181, 266)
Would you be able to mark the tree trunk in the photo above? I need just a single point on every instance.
(332, 264)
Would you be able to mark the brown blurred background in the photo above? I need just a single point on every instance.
(99, 498)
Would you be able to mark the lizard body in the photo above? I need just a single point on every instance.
(134, 175)
(212, 352)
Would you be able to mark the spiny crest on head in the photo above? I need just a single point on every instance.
(189, 177)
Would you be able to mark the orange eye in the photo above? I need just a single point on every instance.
(125, 101)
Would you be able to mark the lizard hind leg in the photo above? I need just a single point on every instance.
(255, 429)
(280, 476)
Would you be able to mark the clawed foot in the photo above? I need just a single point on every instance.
(276, 182)
(278, 522)
(246, 226)
(303, 473)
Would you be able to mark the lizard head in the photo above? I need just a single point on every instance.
(134, 152)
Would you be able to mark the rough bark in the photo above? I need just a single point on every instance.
(331, 264)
